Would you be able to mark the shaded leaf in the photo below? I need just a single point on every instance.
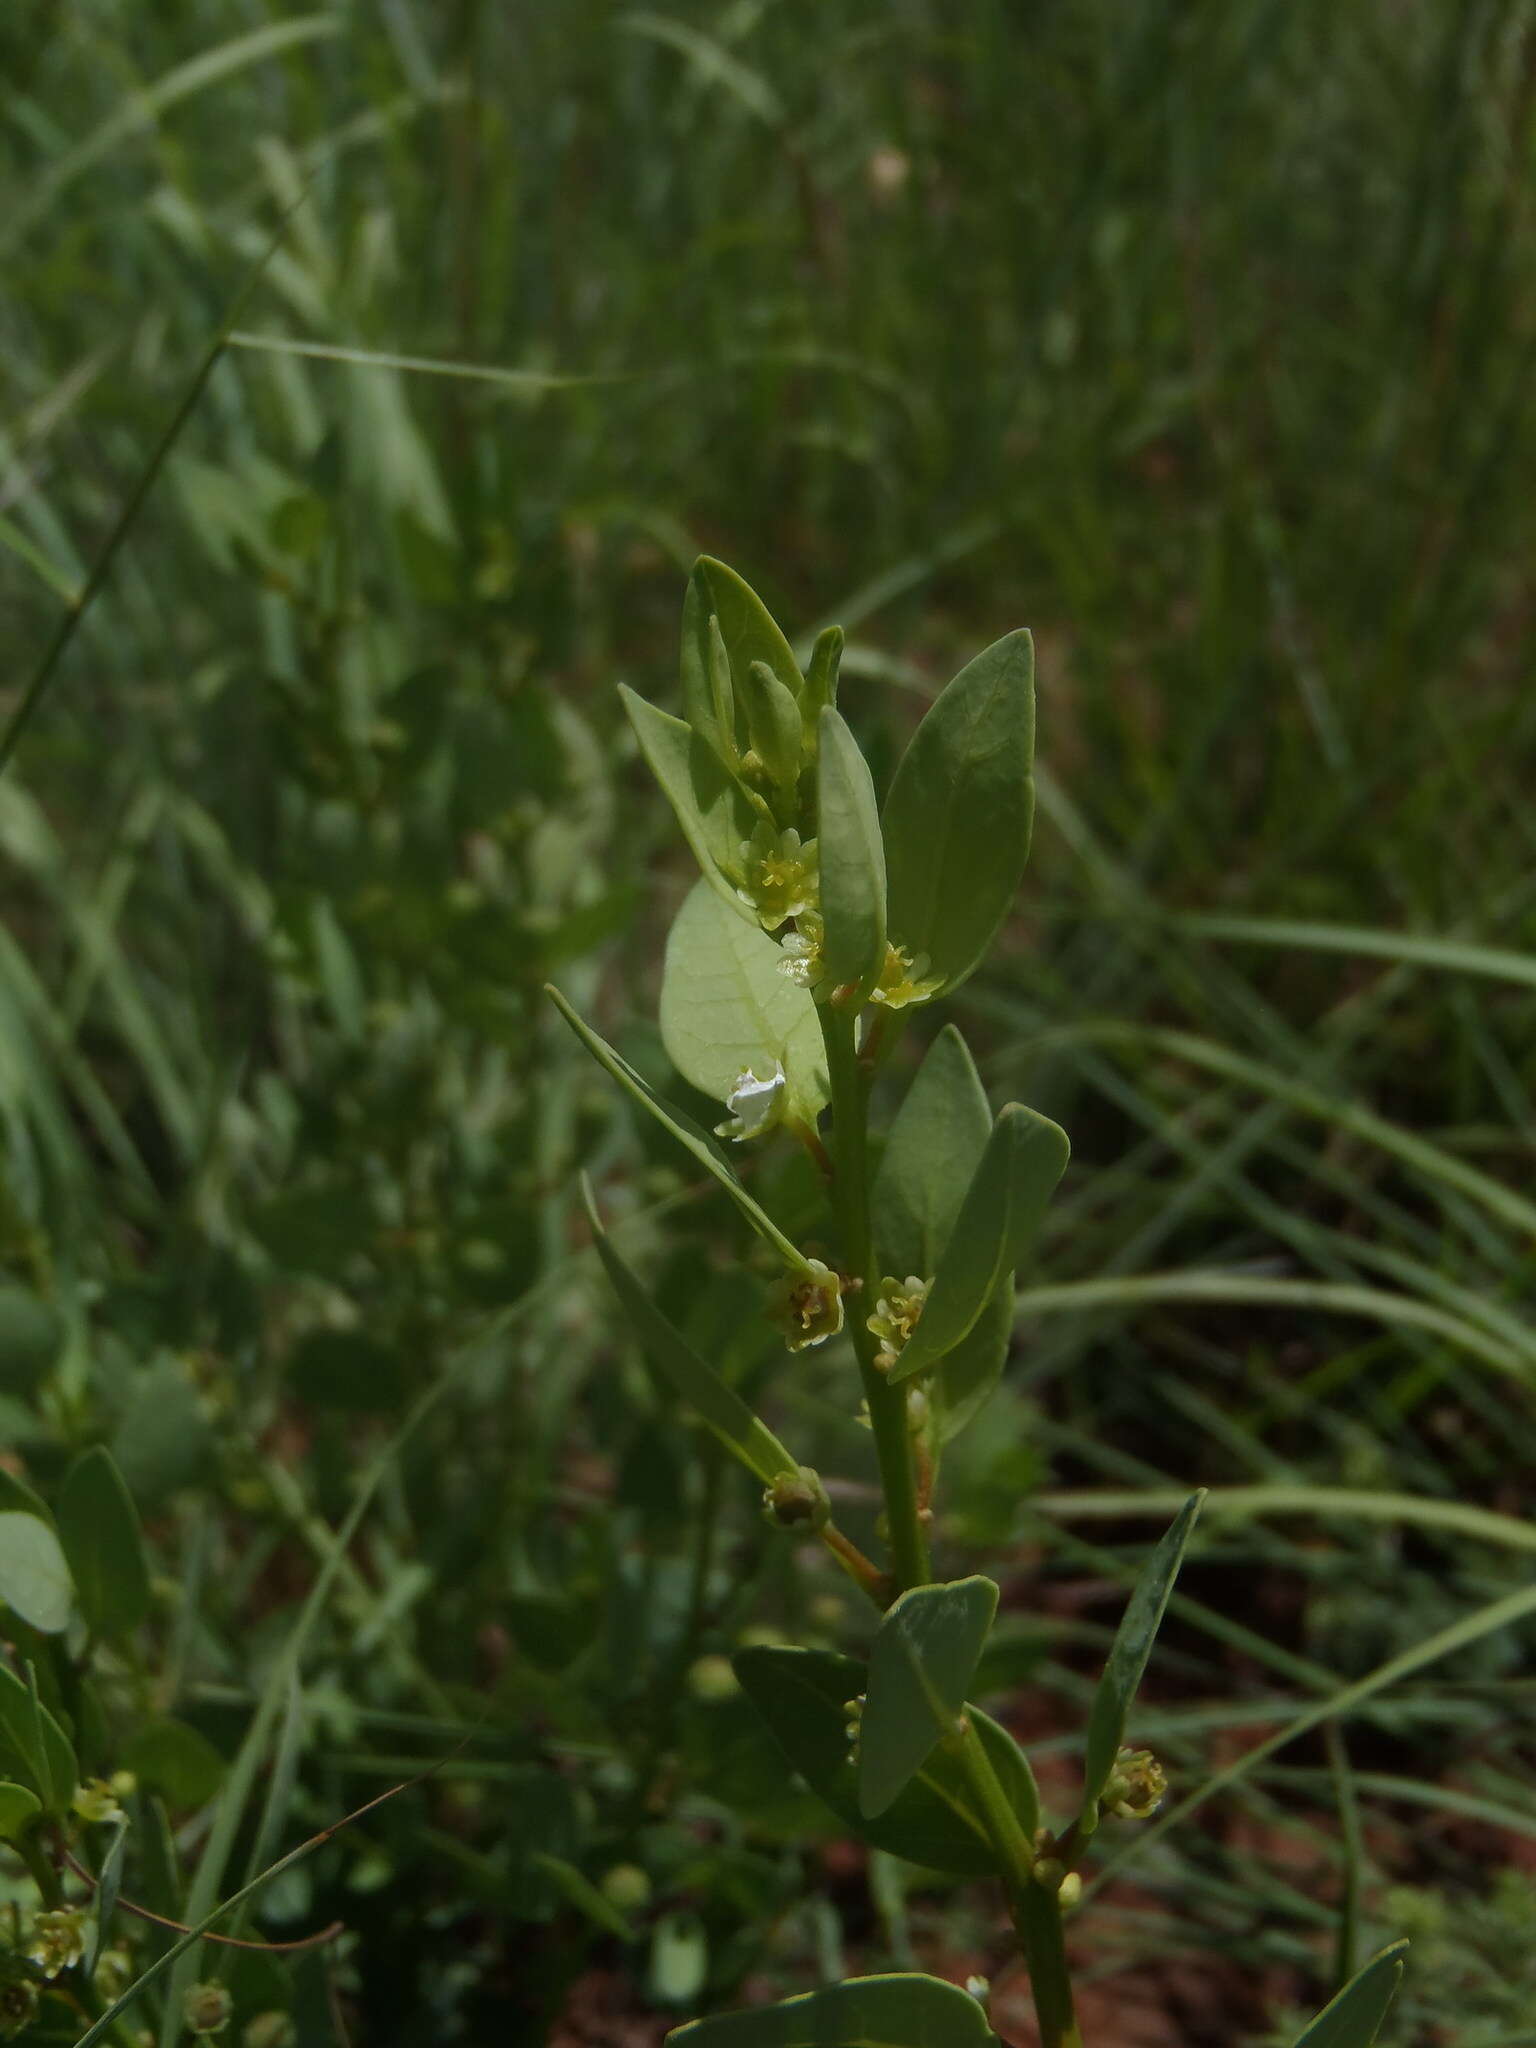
(579, 1891)
(746, 625)
(176, 1760)
(936, 1141)
(108, 1884)
(33, 1747)
(1128, 1656)
(1353, 2019)
(921, 1665)
(802, 1697)
(18, 1809)
(100, 1529)
(897, 2011)
(960, 811)
(31, 1338)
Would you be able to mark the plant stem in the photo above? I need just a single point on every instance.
(1034, 1907)
(887, 1404)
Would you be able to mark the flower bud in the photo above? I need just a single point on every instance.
(626, 1886)
(797, 1500)
(1136, 1787)
(206, 2008)
(807, 1305)
(712, 1679)
(57, 1941)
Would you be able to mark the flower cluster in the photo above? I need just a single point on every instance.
(57, 1941)
(1137, 1786)
(780, 876)
(903, 980)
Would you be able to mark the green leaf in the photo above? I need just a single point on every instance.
(717, 1404)
(936, 1142)
(18, 1809)
(802, 1697)
(821, 676)
(715, 817)
(746, 625)
(773, 726)
(1353, 2019)
(921, 1665)
(1025, 1157)
(33, 1747)
(852, 859)
(896, 2011)
(960, 811)
(1128, 1656)
(31, 1338)
(727, 1010)
(684, 1129)
(100, 1529)
(34, 1578)
(176, 1760)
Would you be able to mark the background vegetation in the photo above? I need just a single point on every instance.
(1197, 336)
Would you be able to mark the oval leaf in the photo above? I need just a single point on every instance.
(896, 2011)
(100, 1530)
(1353, 2019)
(852, 860)
(802, 1697)
(1025, 1157)
(936, 1142)
(726, 1009)
(18, 1809)
(960, 811)
(746, 625)
(921, 1665)
(1128, 1656)
(34, 1577)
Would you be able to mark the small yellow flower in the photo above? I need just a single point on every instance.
(58, 1940)
(801, 951)
(902, 979)
(755, 1104)
(95, 1800)
(781, 876)
(898, 1310)
(807, 1305)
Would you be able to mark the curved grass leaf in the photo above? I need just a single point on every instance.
(34, 1577)
(717, 1404)
(802, 1696)
(897, 2011)
(100, 1530)
(852, 859)
(683, 1128)
(1025, 1157)
(966, 1376)
(1353, 2019)
(961, 809)
(1128, 1656)
(921, 1665)
(726, 1009)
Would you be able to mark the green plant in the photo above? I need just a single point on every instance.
(823, 923)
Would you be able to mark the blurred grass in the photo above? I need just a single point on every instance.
(1199, 337)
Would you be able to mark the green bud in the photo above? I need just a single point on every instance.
(712, 1679)
(1137, 1786)
(206, 2009)
(797, 1500)
(18, 2009)
(627, 1887)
